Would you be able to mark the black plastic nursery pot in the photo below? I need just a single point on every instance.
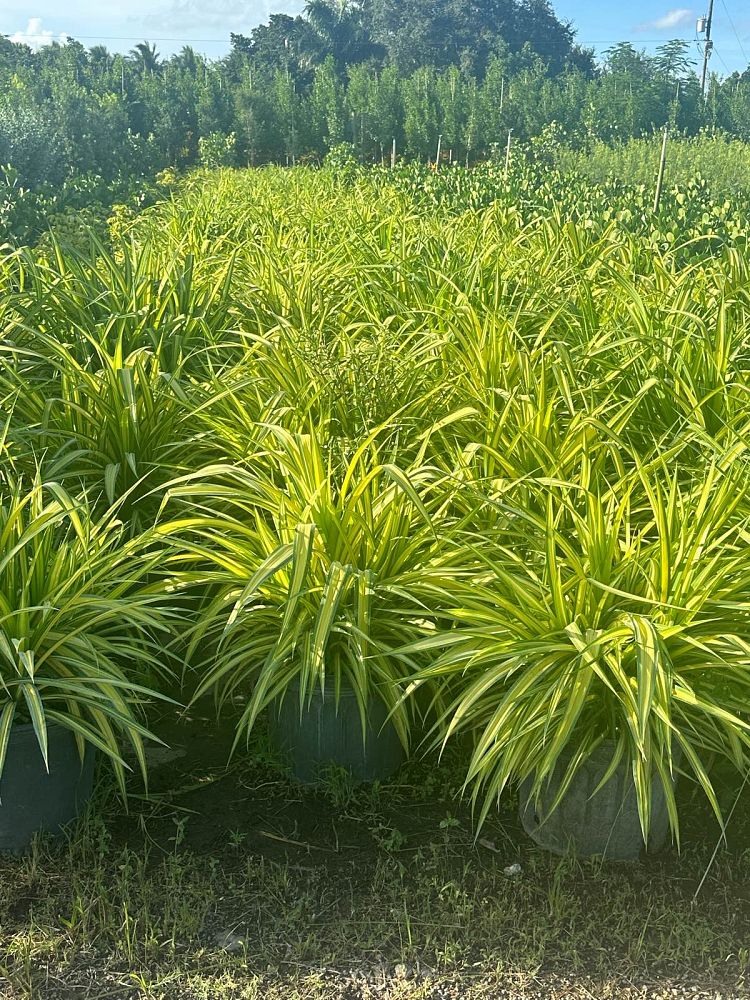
(33, 800)
(590, 823)
(327, 735)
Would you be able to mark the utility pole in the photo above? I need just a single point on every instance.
(705, 24)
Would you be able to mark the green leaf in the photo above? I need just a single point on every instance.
(6, 724)
(35, 708)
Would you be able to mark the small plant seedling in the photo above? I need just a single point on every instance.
(237, 838)
(389, 838)
(338, 787)
(449, 822)
(179, 835)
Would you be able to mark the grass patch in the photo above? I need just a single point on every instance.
(234, 882)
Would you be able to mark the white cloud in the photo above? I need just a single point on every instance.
(35, 36)
(676, 18)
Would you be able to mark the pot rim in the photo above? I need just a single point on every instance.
(346, 690)
(25, 730)
(600, 758)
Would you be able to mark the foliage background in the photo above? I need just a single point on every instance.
(87, 127)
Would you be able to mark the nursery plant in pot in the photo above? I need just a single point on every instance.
(320, 570)
(604, 646)
(115, 423)
(74, 647)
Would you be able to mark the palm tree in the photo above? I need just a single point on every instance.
(99, 59)
(342, 27)
(147, 56)
(188, 60)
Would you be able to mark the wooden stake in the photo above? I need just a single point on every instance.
(437, 156)
(393, 154)
(662, 167)
(507, 153)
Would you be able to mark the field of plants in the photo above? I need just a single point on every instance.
(437, 478)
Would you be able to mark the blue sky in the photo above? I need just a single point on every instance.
(207, 23)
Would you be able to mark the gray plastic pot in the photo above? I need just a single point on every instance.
(604, 824)
(325, 735)
(34, 800)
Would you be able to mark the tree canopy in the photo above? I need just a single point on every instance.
(410, 34)
(366, 72)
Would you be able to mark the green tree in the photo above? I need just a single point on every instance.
(344, 30)
(453, 109)
(421, 125)
(285, 107)
(359, 95)
(215, 107)
(672, 61)
(494, 103)
(253, 112)
(326, 107)
(387, 110)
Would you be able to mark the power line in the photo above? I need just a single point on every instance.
(219, 41)
(731, 23)
(718, 55)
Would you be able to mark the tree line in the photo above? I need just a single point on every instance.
(372, 73)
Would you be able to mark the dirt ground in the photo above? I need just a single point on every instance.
(233, 881)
